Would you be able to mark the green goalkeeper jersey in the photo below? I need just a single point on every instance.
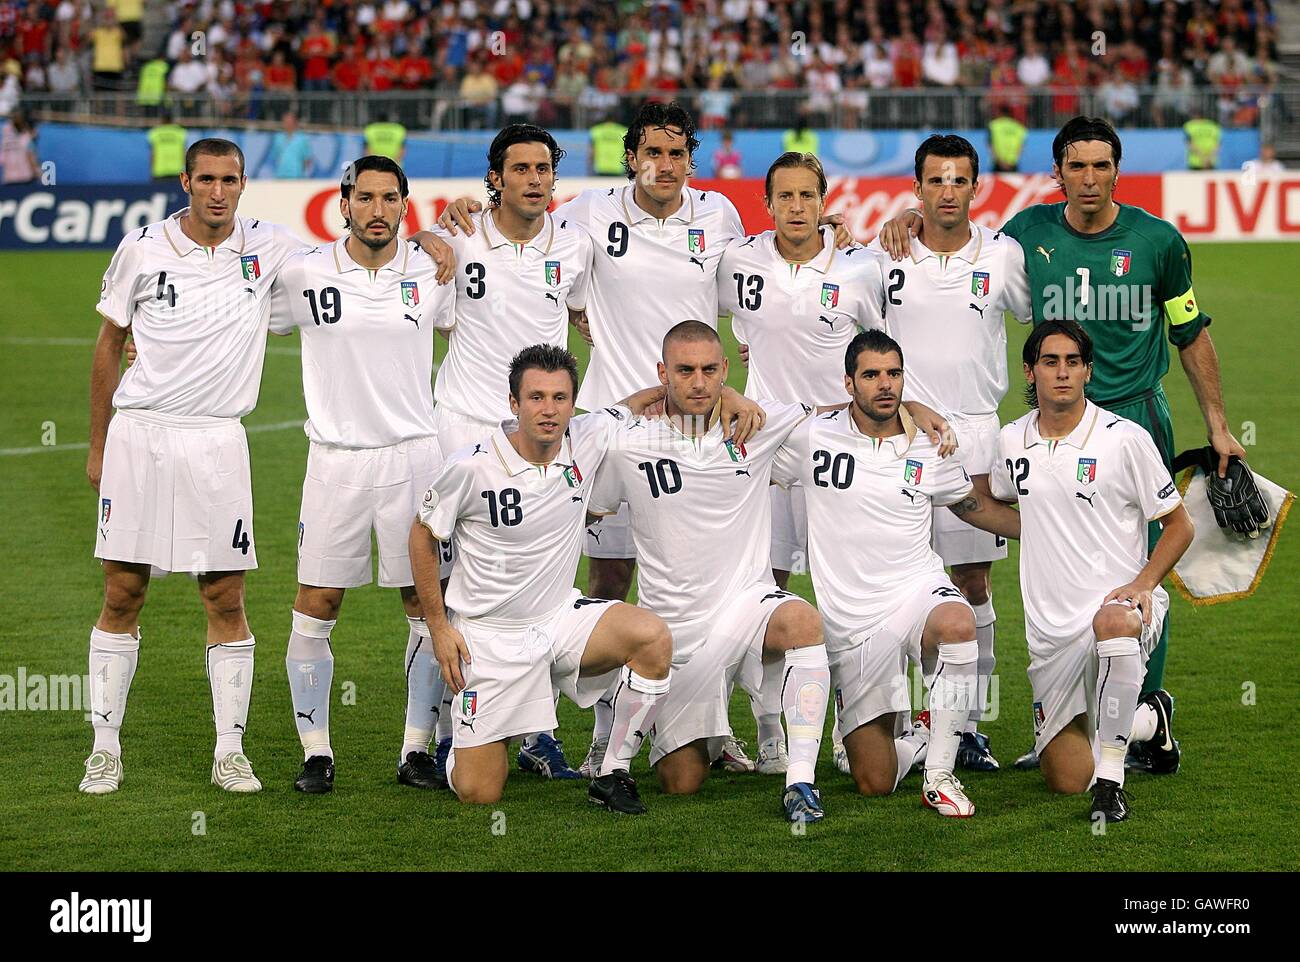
(1120, 285)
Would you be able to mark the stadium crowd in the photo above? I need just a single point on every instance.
(540, 59)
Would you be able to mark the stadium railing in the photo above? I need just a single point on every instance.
(770, 109)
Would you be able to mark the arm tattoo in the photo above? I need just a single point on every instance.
(965, 505)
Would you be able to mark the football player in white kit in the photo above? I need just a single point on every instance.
(516, 504)
(171, 467)
(795, 302)
(701, 524)
(521, 274)
(1087, 483)
(366, 308)
(872, 483)
(944, 304)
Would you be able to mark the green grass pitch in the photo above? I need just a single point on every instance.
(1232, 806)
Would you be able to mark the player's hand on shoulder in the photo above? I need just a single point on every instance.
(843, 238)
(442, 253)
(741, 417)
(896, 234)
(743, 348)
(131, 353)
(450, 649)
(579, 320)
(457, 215)
(935, 426)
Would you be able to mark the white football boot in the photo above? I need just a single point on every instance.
(103, 774)
(733, 757)
(772, 757)
(942, 792)
(590, 766)
(233, 773)
(841, 756)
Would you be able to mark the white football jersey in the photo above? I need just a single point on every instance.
(509, 297)
(367, 342)
(701, 521)
(648, 276)
(198, 315)
(798, 319)
(945, 311)
(1085, 501)
(518, 527)
(870, 507)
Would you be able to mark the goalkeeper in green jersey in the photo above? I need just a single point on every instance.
(1121, 273)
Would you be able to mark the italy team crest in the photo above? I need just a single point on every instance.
(979, 283)
(572, 475)
(468, 703)
(1121, 262)
(830, 295)
(552, 273)
(1040, 718)
(250, 266)
(912, 472)
(410, 293)
(105, 509)
(1087, 470)
(736, 451)
(695, 240)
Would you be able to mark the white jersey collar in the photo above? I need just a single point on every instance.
(1077, 438)
(969, 253)
(511, 460)
(822, 262)
(493, 237)
(635, 215)
(343, 260)
(900, 443)
(183, 244)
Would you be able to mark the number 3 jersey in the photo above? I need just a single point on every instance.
(701, 519)
(870, 507)
(518, 526)
(367, 342)
(1085, 501)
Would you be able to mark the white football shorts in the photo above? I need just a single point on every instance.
(789, 528)
(176, 493)
(611, 536)
(1063, 675)
(955, 541)
(456, 430)
(514, 668)
(870, 678)
(349, 492)
(696, 705)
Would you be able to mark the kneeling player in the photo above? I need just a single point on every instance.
(871, 480)
(1088, 482)
(516, 504)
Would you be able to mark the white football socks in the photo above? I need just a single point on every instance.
(604, 710)
(424, 690)
(909, 749)
(1145, 721)
(633, 709)
(230, 676)
(985, 623)
(1119, 681)
(803, 700)
(113, 658)
(309, 662)
(952, 692)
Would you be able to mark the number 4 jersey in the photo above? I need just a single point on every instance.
(367, 342)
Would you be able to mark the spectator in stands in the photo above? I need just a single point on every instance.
(1119, 98)
(1070, 73)
(1033, 69)
(940, 65)
(1172, 105)
(317, 49)
(11, 90)
(291, 155)
(714, 105)
(522, 99)
(877, 63)
(180, 39)
(64, 76)
(109, 60)
(975, 59)
(189, 76)
(570, 82)
(727, 162)
(479, 92)
(130, 14)
(824, 87)
(1266, 162)
(18, 150)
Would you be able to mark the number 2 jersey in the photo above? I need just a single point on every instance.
(870, 507)
(367, 342)
(1120, 284)
(518, 526)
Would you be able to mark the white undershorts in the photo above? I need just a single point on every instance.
(955, 541)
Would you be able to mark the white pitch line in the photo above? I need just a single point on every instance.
(85, 445)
